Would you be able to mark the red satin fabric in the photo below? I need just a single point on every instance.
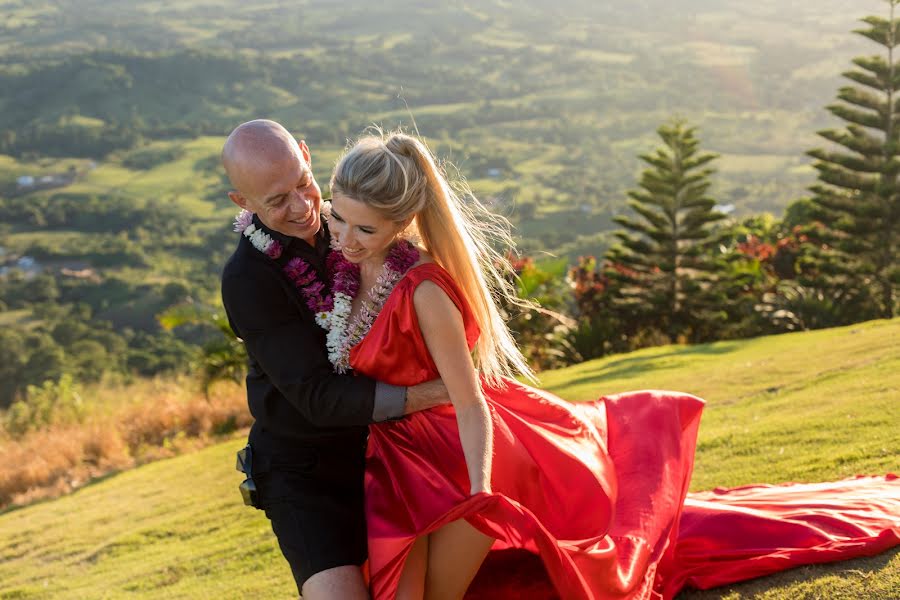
(596, 490)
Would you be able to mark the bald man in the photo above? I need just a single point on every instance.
(307, 445)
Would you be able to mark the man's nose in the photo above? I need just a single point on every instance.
(301, 201)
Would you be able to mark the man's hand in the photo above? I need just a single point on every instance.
(426, 395)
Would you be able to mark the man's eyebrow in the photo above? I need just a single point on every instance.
(307, 173)
(274, 197)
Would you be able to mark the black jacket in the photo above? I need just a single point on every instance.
(294, 395)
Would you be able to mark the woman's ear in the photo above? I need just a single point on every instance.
(404, 224)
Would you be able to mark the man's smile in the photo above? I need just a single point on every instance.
(305, 221)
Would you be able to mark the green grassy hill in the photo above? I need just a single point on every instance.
(807, 406)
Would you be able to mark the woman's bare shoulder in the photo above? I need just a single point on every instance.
(424, 257)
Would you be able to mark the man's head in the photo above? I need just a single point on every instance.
(271, 176)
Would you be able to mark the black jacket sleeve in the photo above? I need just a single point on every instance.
(285, 344)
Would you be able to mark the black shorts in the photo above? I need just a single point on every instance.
(315, 504)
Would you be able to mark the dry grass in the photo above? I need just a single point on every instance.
(129, 425)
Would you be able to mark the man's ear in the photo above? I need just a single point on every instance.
(304, 149)
(238, 199)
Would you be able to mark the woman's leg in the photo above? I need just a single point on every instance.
(455, 552)
(412, 578)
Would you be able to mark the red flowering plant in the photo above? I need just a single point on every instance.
(601, 328)
(772, 283)
(541, 330)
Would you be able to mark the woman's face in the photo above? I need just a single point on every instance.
(360, 232)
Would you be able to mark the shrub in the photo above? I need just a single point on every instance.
(48, 451)
(53, 403)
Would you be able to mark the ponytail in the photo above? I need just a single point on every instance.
(398, 176)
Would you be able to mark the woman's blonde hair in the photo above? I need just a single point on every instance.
(397, 175)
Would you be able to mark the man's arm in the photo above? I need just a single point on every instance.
(426, 395)
(289, 351)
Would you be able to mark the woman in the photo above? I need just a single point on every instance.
(595, 490)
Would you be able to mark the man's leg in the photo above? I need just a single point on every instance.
(336, 584)
(313, 498)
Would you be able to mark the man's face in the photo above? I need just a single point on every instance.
(285, 196)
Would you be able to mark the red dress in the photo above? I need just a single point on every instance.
(596, 490)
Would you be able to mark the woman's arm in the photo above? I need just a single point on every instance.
(442, 328)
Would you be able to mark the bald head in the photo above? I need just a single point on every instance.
(272, 178)
(253, 148)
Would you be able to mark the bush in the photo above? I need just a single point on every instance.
(53, 403)
(47, 453)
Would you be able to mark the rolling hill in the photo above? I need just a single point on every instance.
(799, 407)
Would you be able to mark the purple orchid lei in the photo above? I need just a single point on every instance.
(344, 333)
(332, 312)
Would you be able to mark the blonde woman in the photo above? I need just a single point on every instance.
(594, 490)
(506, 466)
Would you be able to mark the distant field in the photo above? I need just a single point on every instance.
(801, 407)
(757, 163)
(11, 317)
(179, 181)
(486, 80)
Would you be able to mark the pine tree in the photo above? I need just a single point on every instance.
(662, 268)
(857, 197)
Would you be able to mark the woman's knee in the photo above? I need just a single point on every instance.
(455, 553)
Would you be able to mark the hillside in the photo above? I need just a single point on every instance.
(545, 115)
(798, 407)
(112, 200)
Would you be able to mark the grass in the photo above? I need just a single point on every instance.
(808, 406)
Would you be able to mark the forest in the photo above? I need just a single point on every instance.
(684, 173)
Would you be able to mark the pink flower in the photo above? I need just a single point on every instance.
(403, 256)
(273, 251)
(243, 220)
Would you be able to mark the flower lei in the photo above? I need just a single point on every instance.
(261, 240)
(333, 313)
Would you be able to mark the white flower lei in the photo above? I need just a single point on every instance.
(343, 333)
(336, 325)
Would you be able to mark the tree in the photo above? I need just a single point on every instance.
(46, 361)
(13, 356)
(857, 197)
(661, 265)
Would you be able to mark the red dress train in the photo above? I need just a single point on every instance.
(596, 490)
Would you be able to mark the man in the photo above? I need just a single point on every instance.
(308, 439)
